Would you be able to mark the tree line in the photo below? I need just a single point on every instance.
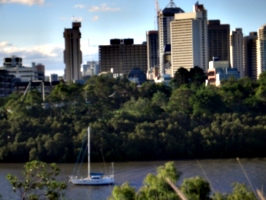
(154, 121)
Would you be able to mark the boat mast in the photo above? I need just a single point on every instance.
(89, 152)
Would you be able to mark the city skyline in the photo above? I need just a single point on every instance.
(33, 29)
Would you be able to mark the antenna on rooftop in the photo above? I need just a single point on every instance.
(157, 10)
(171, 4)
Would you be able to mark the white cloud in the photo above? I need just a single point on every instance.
(25, 2)
(81, 6)
(51, 55)
(95, 18)
(103, 8)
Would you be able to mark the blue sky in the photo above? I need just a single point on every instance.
(33, 29)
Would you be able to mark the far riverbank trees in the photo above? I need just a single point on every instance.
(151, 122)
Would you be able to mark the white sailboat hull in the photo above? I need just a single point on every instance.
(106, 180)
(93, 178)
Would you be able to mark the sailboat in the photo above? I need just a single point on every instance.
(93, 178)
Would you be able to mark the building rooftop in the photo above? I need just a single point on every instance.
(171, 9)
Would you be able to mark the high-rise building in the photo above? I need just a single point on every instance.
(40, 69)
(72, 53)
(250, 55)
(164, 18)
(218, 40)
(152, 49)
(121, 56)
(53, 77)
(236, 50)
(261, 50)
(189, 40)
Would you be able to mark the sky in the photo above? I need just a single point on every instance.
(33, 29)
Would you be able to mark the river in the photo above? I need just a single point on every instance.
(221, 173)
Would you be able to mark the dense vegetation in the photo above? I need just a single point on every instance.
(150, 122)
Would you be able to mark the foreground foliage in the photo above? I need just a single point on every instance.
(38, 182)
(195, 188)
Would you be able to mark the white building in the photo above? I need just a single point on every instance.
(189, 38)
(90, 69)
(165, 16)
(236, 50)
(14, 66)
(220, 70)
(261, 50)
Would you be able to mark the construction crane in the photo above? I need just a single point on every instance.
(157, 11)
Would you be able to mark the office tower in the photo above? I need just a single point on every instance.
(152, 49)
(250, 55)
(72, 53)
(189, 40)
(164, 18)
(121, 56)
(53, 77)
(40, 69)
(218, 40)
(236, 50)
(261, 50)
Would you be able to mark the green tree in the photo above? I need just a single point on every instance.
(181, 77)
(240, 191)
(123, 192)
(39, 182)
(196, 188)
(154, 186)
(197, 76)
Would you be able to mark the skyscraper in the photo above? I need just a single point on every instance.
(72, 53)
(250, 55)
(218, 40)
(189, 40)
(152, 49)
(164, 18)
(236, 50)
(261, 50)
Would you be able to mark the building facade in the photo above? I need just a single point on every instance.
(121, 56)
(261, 50)
(189, 40)
(152, 49)
(218, 40)
(236, 50)
(6, 83)
(53, 77)
(220, 70)
(250, 55)
(72, 53)
(15, 67)
(90, 68)
(164, 18)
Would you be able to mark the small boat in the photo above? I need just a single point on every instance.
(93, 178)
